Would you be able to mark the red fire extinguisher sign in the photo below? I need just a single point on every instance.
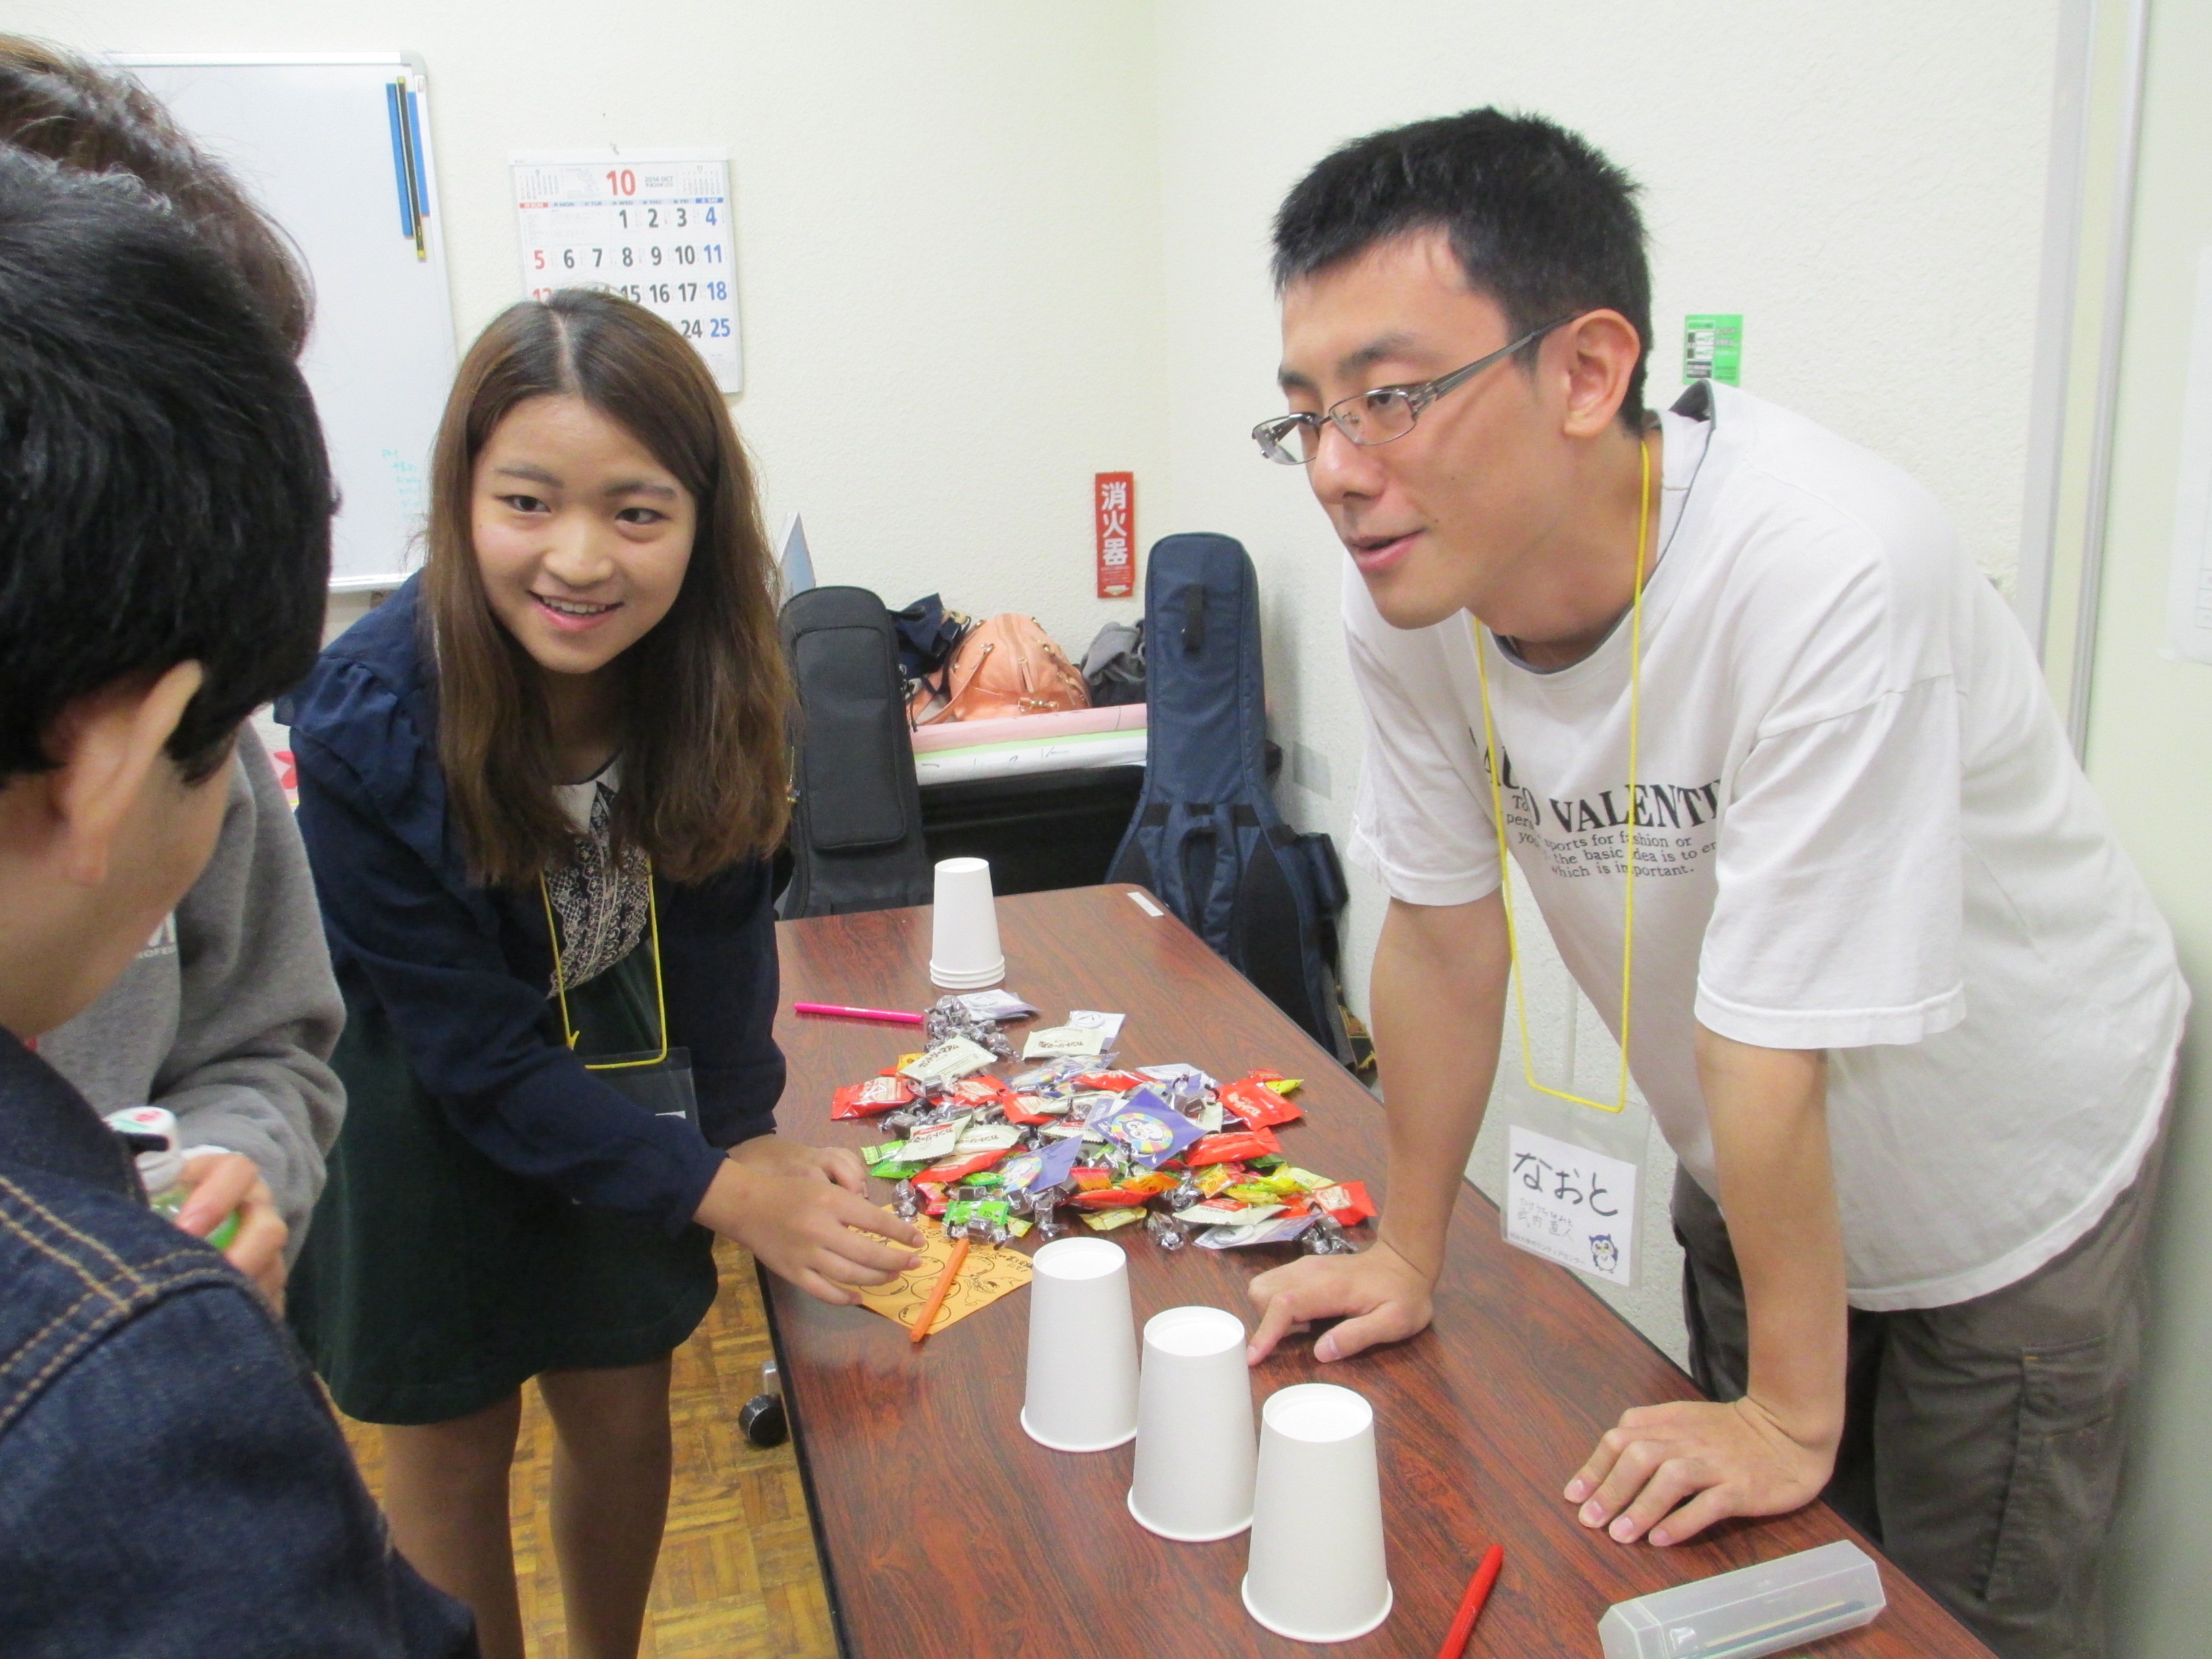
(1114, 504)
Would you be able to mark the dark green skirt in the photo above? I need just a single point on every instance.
(433, 1283)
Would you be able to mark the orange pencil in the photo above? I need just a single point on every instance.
(1470, 1606)
(943, 1285)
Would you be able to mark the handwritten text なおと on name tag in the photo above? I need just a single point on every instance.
(1569, 1204)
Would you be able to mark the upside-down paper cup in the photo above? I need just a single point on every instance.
(1082, 1393)
(1195, 1456)
(964, 939)
(1316, 1572)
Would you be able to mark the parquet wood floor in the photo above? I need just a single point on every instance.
(738, 1576)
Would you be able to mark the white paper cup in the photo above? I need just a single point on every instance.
(1316, 1571)
(964, 940)
(1193, 1481)
(1082, 1393)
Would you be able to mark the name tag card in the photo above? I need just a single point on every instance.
(1571, 1206)
(652, 225)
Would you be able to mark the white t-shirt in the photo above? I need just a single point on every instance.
(1859, 829)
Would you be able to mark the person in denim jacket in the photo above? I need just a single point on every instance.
(173, 1482)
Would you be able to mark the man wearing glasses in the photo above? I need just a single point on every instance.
(1899, 1004)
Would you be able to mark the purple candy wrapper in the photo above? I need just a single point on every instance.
(1147, 1127)
(1279, 1231)
(1046, 1167)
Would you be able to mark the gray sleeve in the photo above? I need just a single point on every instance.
(258, 1010)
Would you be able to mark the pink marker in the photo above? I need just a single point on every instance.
(836, 1011)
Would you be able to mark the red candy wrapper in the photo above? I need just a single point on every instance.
(878, 1094)
(1119, 1083)
(1090, 1179)
(1260, 1107)
(981, 1091)
(1348, 1203)
(1106, 1198)
(933, 1201)
(959, 1168)
(1223, 1148)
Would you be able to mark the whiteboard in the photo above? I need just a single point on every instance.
(313, 137)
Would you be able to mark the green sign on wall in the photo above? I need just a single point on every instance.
(1712, 348)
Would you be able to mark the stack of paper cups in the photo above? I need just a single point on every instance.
(1082, 1393)
(1316, 1571)
(963, 943)
(1194, 1459)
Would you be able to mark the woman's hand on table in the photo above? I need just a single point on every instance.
(1733, 1459)
(802, 1224)
(772, 1154)
(223, 1182)
(1381, 1296)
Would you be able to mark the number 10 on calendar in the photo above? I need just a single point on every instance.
(651, 224)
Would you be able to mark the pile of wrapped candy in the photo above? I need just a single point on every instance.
(1190, 1158)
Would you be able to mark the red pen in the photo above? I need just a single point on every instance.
(890, 1016)
(1470, 1605)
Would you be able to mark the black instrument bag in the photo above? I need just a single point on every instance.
(856, 840)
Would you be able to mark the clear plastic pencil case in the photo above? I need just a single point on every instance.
(1750, 1612)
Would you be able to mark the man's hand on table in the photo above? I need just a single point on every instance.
(1437, 968)
(792, 1206)
(1669, 1472)
(1736, 1459)
(222, 1182)
(1385, 1296)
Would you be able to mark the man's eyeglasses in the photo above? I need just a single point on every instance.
(1368, 418)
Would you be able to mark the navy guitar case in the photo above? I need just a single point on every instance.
(1206, 837)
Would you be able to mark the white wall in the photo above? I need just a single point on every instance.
(1864, 184)
(947, 240)
(2150, 735)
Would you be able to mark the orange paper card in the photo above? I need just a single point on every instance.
(988, 1274)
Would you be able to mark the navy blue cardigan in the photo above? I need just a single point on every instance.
(462, 969)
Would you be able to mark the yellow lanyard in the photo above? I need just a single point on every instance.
(1497, 813)
(561, 983)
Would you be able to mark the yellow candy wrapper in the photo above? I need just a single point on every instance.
(1105, 1221)
(1213, 1179)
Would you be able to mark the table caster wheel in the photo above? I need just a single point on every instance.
(762, 1419)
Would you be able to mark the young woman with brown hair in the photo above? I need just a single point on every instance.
(539, 787)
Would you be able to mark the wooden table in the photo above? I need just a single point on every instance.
(944, 1530)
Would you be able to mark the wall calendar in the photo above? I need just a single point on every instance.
(650, 224)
